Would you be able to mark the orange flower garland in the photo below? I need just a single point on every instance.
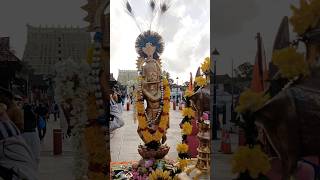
(164, 118)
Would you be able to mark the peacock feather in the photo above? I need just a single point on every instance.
(149, 37)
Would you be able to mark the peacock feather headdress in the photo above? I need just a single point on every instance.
(149, 37)
(157, 10)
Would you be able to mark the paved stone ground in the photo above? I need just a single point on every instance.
(222, 162)
(56, 167)
(124, 143)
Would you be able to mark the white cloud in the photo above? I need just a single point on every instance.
(185, 29)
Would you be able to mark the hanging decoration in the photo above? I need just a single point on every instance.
(95, 131)
(71, 86)
(202, 165)
(186, 129)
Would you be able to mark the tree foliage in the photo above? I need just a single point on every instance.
(244, 71)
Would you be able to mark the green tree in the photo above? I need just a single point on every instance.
(243, 76)
(244, 71)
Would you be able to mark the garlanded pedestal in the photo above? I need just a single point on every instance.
(153, 164)
(148, 153)
(204, 148)
(202, 167)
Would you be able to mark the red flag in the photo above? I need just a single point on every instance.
(256, 82)
(260, 72)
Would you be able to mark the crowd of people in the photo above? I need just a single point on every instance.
(22, 129)
(117, 100)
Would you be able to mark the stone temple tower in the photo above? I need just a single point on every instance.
(47, 45)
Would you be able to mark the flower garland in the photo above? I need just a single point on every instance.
(95, 139)
(160, 174)
(250, 161)
(153, 169)
(163, 114)
(307, 17)
(71, 85)
(201, 81)
(250, 101)
(290, 63)
(186, 129)
(188, 113)
(205, 66)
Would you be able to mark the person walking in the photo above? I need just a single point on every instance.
(117, 97)
(56, 111)
(30, 133)
(42, 114)
(131, 98)
(115, 113)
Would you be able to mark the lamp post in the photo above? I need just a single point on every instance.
(215, 54)
(177, 91)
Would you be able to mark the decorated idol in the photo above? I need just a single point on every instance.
(153, 92)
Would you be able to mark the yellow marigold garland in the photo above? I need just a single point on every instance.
(290, 63)
(182, 148)
(252, 159)
(160, 174)
(306, 17)
(90, 51)
(188, 112)
(250, 101)
(183, 163)
(188, 93)
(186, 128)
(164, 119)
(94, 139)
(205, 66)
(200, 81)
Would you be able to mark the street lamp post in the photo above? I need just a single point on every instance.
(177, 91)
(215, 53)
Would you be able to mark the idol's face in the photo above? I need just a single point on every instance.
(149, 49)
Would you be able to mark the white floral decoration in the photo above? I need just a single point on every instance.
(72, 82)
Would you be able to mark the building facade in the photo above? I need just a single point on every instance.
(47, 45)
(10, 65)
(127, 77)
(225, 100)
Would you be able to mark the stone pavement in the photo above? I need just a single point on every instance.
(222, 162)
(124, 143)
(55, 167)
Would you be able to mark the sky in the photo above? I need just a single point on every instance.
(236, 23)
(15, 14)
(185, 29)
